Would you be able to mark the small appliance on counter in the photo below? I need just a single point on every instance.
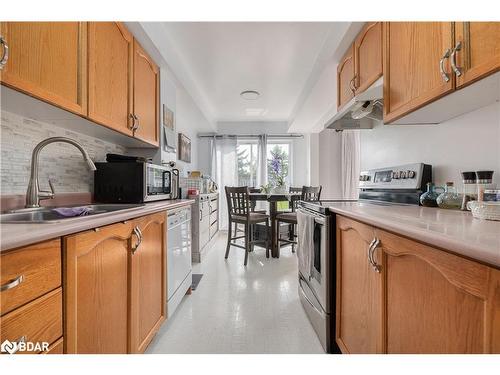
(134, 181)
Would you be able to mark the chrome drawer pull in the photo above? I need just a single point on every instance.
(138, 234)
(375, 266)
(453, 60)
(5, 55)
(12, 283)
(445, 76)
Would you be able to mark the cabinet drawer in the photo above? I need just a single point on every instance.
(56, 347)
(28, 273)
(38, 321)
(214, 216)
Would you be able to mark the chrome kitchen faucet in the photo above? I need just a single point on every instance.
(34, 194)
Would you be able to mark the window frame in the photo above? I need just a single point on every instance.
(289, 142)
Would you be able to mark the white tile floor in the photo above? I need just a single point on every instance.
(240, 310)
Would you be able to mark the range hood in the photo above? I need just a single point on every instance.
(362, 111)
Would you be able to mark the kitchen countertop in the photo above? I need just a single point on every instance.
(20, 234)
(455, 231)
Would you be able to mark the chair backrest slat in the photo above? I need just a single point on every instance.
(238, 201)
(311, 193)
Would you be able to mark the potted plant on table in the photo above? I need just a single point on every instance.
(277, 166)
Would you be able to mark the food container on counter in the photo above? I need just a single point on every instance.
(485, 210)
(484, 181)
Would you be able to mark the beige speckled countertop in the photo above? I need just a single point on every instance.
(16, 235)
(454, 231)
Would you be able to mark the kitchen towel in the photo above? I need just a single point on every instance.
(305, 242)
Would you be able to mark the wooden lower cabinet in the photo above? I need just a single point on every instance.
(38, 321)
(96, 285)
(148, 282)
(437, 302)
(359, 291)
(424, 300)
(115, 286)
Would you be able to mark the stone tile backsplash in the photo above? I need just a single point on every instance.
(60, 162)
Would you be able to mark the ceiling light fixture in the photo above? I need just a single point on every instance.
(250, 94)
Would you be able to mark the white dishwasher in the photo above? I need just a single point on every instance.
(179, 276)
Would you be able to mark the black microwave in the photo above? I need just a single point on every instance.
(134, 182)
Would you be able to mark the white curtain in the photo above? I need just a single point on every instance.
(350, 163)
(224, 171)
(262, 161)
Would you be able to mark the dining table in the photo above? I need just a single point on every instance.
(273, 199)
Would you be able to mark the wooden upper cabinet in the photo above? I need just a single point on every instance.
(478, 54)
(48, 60)
(149, 285)
(146, 96)
(96, 284)
(110, 56)
(437, 302)
(412, 69)
(359, 291)
(368, 55)
(345, 78)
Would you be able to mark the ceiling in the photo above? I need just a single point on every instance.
(221, 59)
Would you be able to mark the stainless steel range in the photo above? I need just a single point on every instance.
(316, 250)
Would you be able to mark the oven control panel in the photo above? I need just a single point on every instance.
(408, 176)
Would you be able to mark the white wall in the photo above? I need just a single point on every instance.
(469, 142)
(329, 164)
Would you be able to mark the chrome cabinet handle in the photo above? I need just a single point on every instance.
(352, 85)
(369, 251)
(138, 234)
(5, 56)
(12, 283)
(445, 76)
(453, 59)
(132, 117)
(136, 122)
(374, 264)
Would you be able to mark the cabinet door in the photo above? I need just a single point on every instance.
(47, 60)
(110, 75)
(149, 284)
(345, 78)
(412, 69)
(359, 291)
(480, 50)
(96, 287)
(368, 55)
(146, 96)
(438, 302)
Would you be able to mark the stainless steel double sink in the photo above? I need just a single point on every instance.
(47, 215)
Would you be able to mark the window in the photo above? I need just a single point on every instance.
(279, 162)
(246, 155)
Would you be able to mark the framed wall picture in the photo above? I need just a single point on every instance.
(168, 118)
(184, 148)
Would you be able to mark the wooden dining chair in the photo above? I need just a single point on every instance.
(308, 194)
(253, 205)
(239, 212)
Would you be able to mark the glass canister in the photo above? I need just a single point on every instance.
(428, 199)
(469, 189)
(450, 199)
(484, 182)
